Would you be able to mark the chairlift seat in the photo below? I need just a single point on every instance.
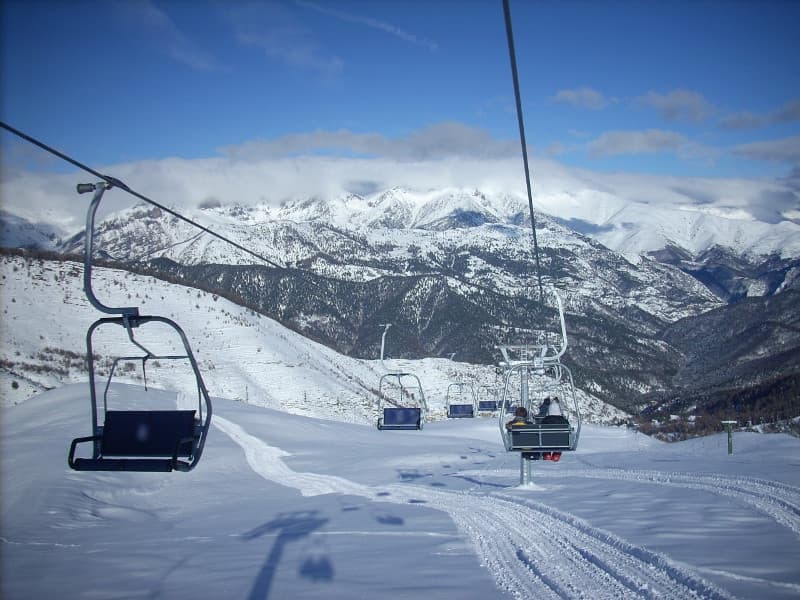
(542, 436)
(460, 411)
(135, 440)
(487, 405)
(401, 418)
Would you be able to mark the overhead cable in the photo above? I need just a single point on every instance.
(517, 96)
(114, 182)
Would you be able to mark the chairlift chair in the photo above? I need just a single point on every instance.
(137, 440)
(539, 372)
(456, 407)
(142, 440)
(540, 435)
(487, 399)
(408, 410)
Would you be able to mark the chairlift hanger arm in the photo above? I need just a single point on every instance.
(126, 311)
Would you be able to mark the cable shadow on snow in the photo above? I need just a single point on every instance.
(291, 527)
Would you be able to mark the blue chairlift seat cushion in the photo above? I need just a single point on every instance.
(148, 433)
(398, 417)
(455, 411)
(487, 405)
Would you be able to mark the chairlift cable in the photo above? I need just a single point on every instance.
(517, 97)
(113, 182)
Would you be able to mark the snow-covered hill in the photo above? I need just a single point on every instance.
(17, 232)
(402, 231)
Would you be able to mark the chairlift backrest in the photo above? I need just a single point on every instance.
(487, 398)
(401, 389)
(465, 394)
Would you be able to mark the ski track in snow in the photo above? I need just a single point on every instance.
(530, 549)
(779, 501)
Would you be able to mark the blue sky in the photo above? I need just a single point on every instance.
(691, 105)
(685, 88)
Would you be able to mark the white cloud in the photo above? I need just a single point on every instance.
(782, 150)
(787, 113)
(285, 45)
(584, 97)
(273, 30)
(679, 105)
(441, 140)
(743, 120)
(612, 143)
(747, 120)
(371, 23)
(437, 157)
(161, 32)
(649, 141)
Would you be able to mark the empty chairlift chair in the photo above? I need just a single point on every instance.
(143, 439)
(461, 402)
(401, 402)
(136, 438)
(487, 399)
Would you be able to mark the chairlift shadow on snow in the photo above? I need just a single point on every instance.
(291, 527)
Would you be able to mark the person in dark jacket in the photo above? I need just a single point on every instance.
(544, 408)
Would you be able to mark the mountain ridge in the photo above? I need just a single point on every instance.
(455, 272)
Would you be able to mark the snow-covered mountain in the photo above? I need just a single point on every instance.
(625, 215)
(17, 232)
(242, 355)
(455, 271)
(631, 228)
(733, 255)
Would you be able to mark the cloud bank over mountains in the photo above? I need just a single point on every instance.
(328, 164)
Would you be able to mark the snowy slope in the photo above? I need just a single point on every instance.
(285, 506)
(16, 232)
